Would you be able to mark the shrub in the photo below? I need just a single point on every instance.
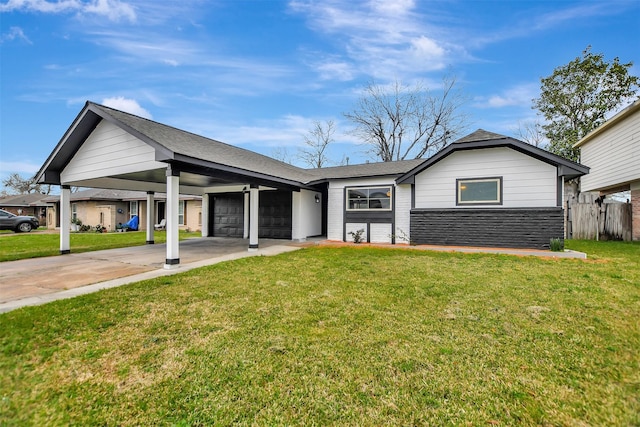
(556, 245)
(357, 235)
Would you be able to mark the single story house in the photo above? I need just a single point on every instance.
(33, 204)
(484, 189)
(110, 208)
(612, 152)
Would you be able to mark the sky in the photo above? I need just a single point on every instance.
(258, 73)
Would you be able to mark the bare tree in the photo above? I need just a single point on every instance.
(282, 154)
(532, 133)
(400, 122)
(16, 184)
(316, 142)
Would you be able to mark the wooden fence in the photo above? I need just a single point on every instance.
(589, 217)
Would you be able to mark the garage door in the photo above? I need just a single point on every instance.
(275, 215)
(228, 216)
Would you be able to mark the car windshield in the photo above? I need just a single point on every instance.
(7, 214)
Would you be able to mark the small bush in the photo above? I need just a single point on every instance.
(357, 235)
(556, 245)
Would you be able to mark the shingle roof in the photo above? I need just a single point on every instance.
(33, 199)
(200, 147)
(365, 170)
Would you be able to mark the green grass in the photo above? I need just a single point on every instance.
(339, 336)
(33, 245)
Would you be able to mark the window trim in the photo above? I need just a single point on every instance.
(182, 216)
(131, 210)
(497, 179)
(368, 187)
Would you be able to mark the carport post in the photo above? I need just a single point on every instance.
(150, 218)
(254, 202)
(173, 185)
(65, 220)
(204, 215)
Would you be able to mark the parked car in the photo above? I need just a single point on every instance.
(17, 223)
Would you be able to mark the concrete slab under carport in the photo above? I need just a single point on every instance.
(40, 280)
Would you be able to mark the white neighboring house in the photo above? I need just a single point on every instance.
(612, 152)
(483, 190)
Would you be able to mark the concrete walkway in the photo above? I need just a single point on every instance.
(41, 280)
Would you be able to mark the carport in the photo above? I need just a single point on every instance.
(107, 148)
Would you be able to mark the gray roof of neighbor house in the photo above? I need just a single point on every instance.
(114, 195)
(32, 199)
(484, 139)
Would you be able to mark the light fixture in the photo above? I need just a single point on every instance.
(317, 199)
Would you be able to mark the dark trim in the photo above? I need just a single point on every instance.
(151, 193)
(372, 216)
(151, 242)
(174, 261)
(65, 187)
(565, 167)
(253, 246)
(65, 252)
(173, 170)
(413, 195)
(498, 203)
(559, 191)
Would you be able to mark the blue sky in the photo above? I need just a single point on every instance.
(257, 73)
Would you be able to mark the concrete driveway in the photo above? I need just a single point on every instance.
(40, 280)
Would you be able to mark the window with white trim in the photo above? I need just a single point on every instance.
(133, 208)
(181, 212)
(479, 191)
(369, 198)
(74, 211)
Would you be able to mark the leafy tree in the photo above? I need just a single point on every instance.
(316, 142)
(16, 184)
(577, 97)
(399, 122)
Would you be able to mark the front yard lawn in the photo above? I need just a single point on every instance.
(34, 245)
(339, 336)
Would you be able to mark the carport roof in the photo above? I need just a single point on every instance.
(172, 145)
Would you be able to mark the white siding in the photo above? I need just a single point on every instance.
(403, 213)
(527, 182)
(306, 214)
(380, 233)
(613, 156)
(109, 151)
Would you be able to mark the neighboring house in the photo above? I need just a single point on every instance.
(110, 208)
(612, 152)
(33, 204)
(484, 189)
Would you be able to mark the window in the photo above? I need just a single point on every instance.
(479, 191)
(133, 208)
(369, 198)
(181, 212)
(74, 211)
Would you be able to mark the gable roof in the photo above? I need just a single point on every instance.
(172, 145)
(483, 139)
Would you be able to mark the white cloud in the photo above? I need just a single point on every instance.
(519, 96)
(335, 70)
(384, 40)
(126, 105)
(114, 10)
(15, 33)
